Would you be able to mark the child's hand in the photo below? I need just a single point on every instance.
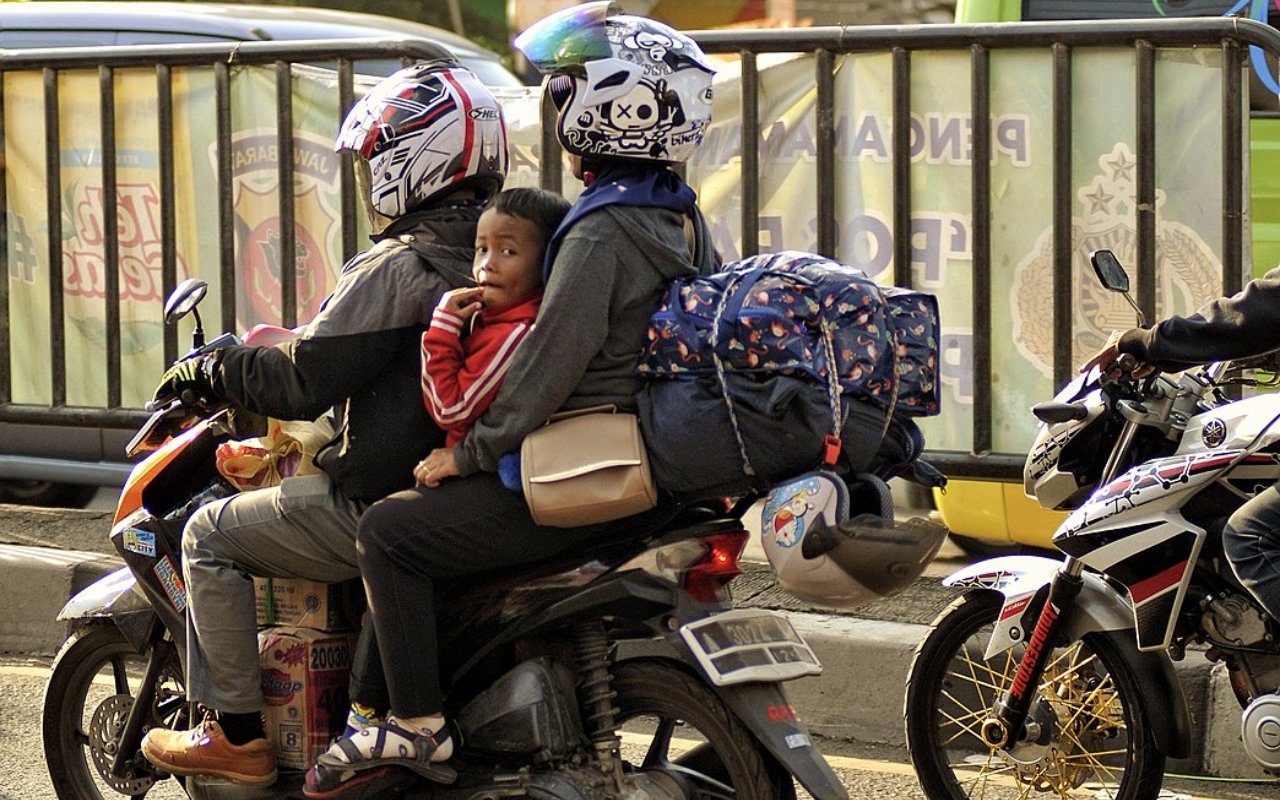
(463, 303)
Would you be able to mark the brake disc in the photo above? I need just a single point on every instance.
(104, 740)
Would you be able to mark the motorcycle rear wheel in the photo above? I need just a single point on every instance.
(673, 721)
(91, 688)
(1096, 723)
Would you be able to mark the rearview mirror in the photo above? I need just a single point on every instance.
(186, 296)
(1107, 267)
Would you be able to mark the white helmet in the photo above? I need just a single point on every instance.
(823, 557)
(625, 86)
(424, 131)
(1063, 467)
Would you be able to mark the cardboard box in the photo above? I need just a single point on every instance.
(300, 603)
(304, 681)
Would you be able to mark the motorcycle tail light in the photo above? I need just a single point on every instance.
(702, 567)
(705, 580)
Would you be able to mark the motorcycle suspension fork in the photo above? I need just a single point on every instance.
(1005, 726)
(140, 712)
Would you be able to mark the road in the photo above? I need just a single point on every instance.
(869, 773)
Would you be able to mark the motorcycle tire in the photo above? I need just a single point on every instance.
(91, 687)
(1093, 721)
(681, 725)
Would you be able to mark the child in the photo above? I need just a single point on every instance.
(461, 370)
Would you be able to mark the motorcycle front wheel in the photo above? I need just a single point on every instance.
(91, 689)
(671, 721)
(1089, 722)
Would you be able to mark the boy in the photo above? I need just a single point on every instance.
(461, 372)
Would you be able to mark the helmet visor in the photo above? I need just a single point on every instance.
(364, 195)
(567, 38)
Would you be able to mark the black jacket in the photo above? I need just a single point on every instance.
(1243, 325)
(361, 355)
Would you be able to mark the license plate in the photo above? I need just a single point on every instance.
(749, 645)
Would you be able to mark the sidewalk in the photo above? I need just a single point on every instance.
(48, 555)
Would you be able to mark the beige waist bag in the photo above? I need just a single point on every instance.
(586, 466)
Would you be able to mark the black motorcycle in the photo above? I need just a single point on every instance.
(618, 670)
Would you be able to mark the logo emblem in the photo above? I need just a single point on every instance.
(1214, 433)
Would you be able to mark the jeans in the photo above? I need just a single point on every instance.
(302, 528)
(1252, 542)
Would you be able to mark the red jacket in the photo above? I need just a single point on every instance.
(460, 376)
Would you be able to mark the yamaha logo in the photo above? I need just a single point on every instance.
(1214, 433)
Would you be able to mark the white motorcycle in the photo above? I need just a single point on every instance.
(1049, 675)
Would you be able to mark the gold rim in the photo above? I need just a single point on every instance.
(1082, 753)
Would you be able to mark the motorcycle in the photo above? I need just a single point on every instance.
(620, 669)
(1048, 675)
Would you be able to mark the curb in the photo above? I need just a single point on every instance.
(859, 696)
(37, 583)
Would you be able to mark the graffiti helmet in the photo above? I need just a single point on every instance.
(624, 86)
(823, 556)
(423, 132)
(1064, 464)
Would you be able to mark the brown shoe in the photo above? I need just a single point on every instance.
(204, 750)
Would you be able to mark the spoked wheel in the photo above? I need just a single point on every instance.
(672, 723)
(91, 690)
(1088, 730)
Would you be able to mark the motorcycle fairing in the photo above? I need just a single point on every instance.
(115, 593)
(1236, 426)
(1019, 579)
(1153, 561)
(1162, 485)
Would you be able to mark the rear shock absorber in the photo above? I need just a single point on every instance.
(591, 646)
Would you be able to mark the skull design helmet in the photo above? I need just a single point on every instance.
(624, 86)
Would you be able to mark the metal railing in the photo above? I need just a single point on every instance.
(164, 59)
(824, 44)
(1143, 36)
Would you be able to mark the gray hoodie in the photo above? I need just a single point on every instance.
(609, 274)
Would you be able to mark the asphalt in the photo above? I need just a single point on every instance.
(47, 555)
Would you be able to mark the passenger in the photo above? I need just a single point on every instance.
(624, 121)
(427, 167)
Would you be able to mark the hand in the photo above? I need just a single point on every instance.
(1106, 358)
(190, 380)
(437, 466)
(1107, 355)
(463, 303)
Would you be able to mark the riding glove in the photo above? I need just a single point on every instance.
(192, 380)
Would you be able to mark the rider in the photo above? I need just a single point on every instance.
(430, 148)
(634, 97)
(1243, 325)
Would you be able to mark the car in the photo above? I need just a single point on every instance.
(37, 460)
(103, 24)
